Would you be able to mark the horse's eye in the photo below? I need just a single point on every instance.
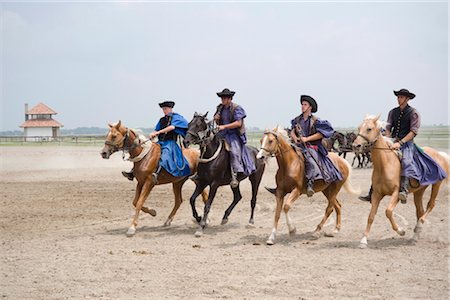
(369, 129)
(270, 141)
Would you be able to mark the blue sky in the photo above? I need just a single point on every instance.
(98, 62)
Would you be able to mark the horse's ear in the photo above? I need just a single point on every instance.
(110, 126)
(119, 124)
(276, 128)
(204, 116)
(377, 117)
(196, 114)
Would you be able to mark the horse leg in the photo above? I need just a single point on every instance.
(376, 198)
(212, 194)
(328, 211)
(199, 188)
(390, 215)
(418, 197)
(287, 206)
(176, 187)
(236, 198)
(337, 208)
(146, 188)
(279, 198)
(150, 211)
(255, 180)
(432, 202)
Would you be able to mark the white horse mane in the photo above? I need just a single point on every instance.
(380, 124)
(281, 131)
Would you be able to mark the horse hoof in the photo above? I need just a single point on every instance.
(292, 231)
(131, 231)
(251, 221)
(316, 235)
(332, 233)
(250, 226)
(198, 233)
(362, 245)
(152, 212)
(224, 221)
(269, 242)
(167, 223)
(401, 232)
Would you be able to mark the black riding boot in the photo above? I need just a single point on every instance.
(156, 174)
(404, 186)
(367, 198)
(310, 188)
(128, 175)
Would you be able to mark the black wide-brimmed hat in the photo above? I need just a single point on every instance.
(404, 92)
(310, 100)
(226, 93)
(167, 104)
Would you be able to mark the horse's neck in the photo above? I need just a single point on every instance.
(286, 155)
(134, 151)
(210, 148)
(381, 155)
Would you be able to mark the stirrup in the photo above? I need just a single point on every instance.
(403, 196)
(309, 191)
(234, 183)
(155, 178)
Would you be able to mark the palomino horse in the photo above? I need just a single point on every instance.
(214, 169)
(290, 178)
(386, 176)
(145, 155)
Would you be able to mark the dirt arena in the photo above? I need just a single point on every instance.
(65, 211)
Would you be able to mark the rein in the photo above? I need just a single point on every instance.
(136, 143)
(278, 144)
(370, 144)
(206, 160)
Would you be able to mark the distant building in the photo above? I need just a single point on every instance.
(39, 123)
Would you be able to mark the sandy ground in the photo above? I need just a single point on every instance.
(64, 213)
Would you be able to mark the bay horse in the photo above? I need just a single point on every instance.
(386, 176)
(290, 178)
(214, 169)
(146, 154)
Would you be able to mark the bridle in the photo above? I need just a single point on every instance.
(274, 154)
(203, 138)
(370, 144)
(123, 142)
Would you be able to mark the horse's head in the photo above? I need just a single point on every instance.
(115, 139)
(197, 129)
(368, 133)
(270, 142)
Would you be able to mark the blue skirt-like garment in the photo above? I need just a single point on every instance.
(419, 165)
(172, 159)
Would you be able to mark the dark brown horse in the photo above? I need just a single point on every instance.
(214, 169)
(290, 178)
(145, 155)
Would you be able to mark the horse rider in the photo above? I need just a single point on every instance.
(307, 132)
(403, 124)
(167, 130)
(230, 117)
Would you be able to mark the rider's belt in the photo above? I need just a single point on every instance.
(315, 147)
(170, 136)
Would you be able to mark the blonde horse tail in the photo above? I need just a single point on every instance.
(347, 183)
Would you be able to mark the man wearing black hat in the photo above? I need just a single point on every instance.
(402, 126)
(167, 130)
(230, 118)
(307, 132)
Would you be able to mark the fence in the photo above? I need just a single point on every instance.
(46, 140)
(436, 137)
